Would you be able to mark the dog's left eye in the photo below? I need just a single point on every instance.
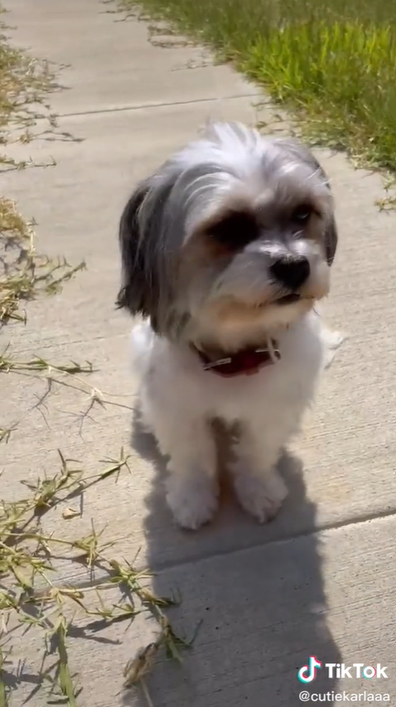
(301, 214)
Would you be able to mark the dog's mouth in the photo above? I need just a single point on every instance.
(288, 299)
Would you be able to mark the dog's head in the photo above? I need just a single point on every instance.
(234, 234)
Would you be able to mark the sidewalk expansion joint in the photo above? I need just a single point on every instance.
(160, 568)
(165, 104)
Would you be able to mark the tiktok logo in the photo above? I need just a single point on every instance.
(308, 672)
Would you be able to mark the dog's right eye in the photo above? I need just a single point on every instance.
(235, 230)
(301, 214)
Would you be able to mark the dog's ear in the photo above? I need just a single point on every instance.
(301, 152)
(139, 291)
(330, 240)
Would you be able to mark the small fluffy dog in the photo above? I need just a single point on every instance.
(225, 251)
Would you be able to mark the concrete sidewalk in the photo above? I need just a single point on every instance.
(320, 580)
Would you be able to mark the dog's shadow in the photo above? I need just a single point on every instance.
(255, 592)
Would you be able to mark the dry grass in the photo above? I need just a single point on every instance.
(31, 596)
(23, 83)
(24, 273)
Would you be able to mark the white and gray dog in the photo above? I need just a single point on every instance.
(225, 251)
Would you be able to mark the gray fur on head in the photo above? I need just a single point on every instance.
(298, 150)
(206, 229)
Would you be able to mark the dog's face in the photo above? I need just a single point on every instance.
(234, 236)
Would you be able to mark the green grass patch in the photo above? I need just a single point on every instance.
(332, 62)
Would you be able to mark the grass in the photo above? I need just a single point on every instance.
(24, 83)
(31, 597)
(24, 273)
(331, 61)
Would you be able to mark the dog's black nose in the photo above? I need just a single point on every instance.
(291, 271)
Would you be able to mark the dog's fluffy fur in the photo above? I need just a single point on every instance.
(212, 249)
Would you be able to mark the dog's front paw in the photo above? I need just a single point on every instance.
(260, 495)
(193, 501)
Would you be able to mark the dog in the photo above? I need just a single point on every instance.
(225, 251)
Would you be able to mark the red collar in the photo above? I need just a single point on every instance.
(246, 361)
